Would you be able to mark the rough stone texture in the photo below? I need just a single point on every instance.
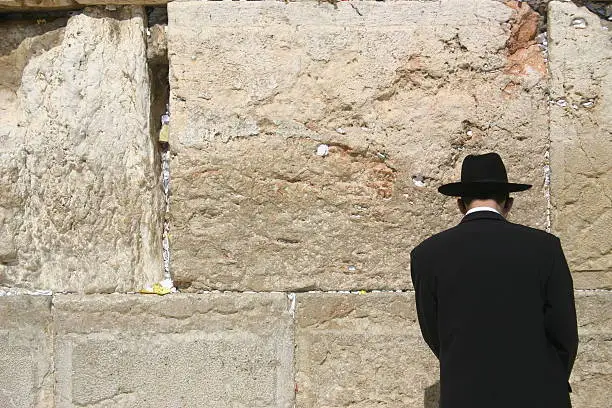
(592, 373)
(21, 42)
(27, 5)
(362, 351)
(413, 88)
(124, 2)
(44, 5)
(399, 91)
(524, 54)
(220, 350)
(366, 350)
(581, 142)
(80, 201)
(26, 378)
(157, 46)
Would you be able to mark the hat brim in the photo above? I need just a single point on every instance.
(476, 189)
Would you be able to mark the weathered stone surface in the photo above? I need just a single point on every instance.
(21, 41)
(592, 373)
(581, 141)
(366, 350)
(26, 378)
(123, 2)
(157, 45)
(400, 92)
(221, 350)
(28, 5)
(80, 202)
(362, 351)
(45, 5)
(524, 54)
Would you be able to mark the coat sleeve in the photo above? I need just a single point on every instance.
(560, 310)
(426, 303)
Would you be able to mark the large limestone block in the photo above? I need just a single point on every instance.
(392, 96)
(592, 373)
(217, 350)
(26, 372)
(80, 199)
(22, 40)
(581, 141)
(362, 351)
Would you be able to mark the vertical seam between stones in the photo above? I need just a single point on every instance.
(547, 169)
(157, 59)
(53, 351)
(292, 296)
(547, 176)
(165, 163)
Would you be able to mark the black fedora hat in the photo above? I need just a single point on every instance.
(482, 175)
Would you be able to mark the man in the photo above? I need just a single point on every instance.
(495, 300)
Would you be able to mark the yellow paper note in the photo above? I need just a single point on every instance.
(164, 134)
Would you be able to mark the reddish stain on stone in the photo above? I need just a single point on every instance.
(524, 55)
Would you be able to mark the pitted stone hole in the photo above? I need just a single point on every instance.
(584, 103)
(579, 23)
(157, 58)
(322, 150)
(588, 103)
(291, 298)
(419, 180)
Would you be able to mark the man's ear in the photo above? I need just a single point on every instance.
(508, 205)
(461, 206)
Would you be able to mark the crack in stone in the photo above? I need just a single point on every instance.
(356, 10)
(115, 399)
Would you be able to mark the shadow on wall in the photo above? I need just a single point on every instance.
(23, 37)
(432, 396)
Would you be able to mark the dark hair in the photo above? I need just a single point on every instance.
(498, 197)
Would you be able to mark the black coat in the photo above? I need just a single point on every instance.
(495, 303)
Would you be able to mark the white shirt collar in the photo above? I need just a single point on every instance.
(473, 210)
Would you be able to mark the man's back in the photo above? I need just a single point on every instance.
(495, 303)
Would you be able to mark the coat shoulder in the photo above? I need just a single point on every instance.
(448, 237)
(533, 234)
(436, 240)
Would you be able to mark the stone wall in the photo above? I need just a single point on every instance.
(307, 141)
(397, 93)
(581, 136)
(243, 350)
(80, 203)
